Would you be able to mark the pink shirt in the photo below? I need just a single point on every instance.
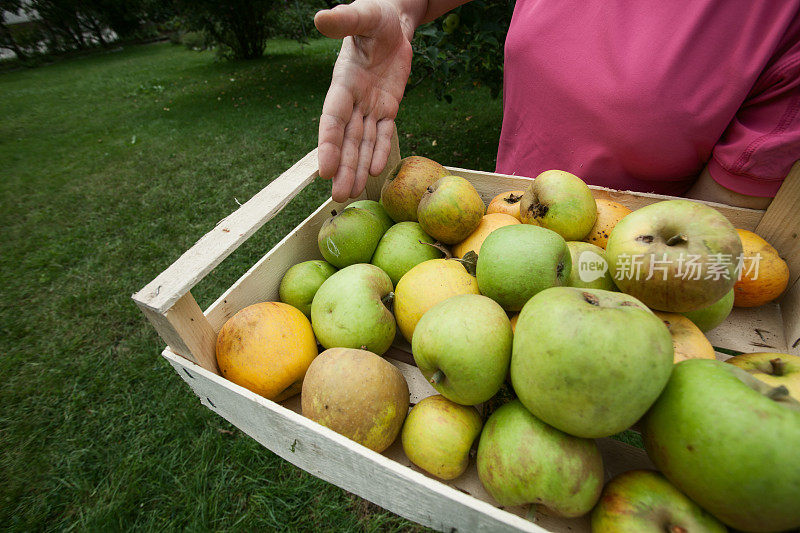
(642, 94)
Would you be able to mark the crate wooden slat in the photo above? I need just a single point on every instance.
(389, 479)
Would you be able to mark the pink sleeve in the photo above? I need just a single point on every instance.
(762, 142)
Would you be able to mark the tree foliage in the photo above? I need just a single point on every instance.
(467, 42)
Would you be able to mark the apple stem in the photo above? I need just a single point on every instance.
(777, 393)
(778, 366)
(437, 377)
(680, 238)
(388, 300)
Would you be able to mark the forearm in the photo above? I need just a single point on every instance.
(705, 188)
(413, 13)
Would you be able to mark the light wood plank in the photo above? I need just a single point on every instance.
(489, 185)
(186, 331)
(790, 306)
(780, 225)
(262, 281)
(754, 329)
(229, 233)
(462, 503)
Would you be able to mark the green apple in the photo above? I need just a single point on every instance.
(350, 237)
(643, 501)
(403, 189)
(729, 442)
(675, 255)
(450, 209)
(438, 434)
(774, 369)
(376, 209)
(350, 310)
(301, 282)
(402, 248)
(707, 318)
(357, 394)
(462, 345)
(589, 267)
(519, 261)
(523, 460)
(559, 201)
(587, 361)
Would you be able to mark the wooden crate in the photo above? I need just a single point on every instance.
(389, 479)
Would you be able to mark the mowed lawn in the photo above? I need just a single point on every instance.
(111, 166)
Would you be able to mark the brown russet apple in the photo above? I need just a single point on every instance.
(403, 189)
(357, 394)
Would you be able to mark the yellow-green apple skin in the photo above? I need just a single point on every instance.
(349, 311)
(774, 369)
(523, 460)
(707, 318)
(561, 202)
(644, 501)
(402, 248)
(518, 261)
(424, 286)
(587, 361)
(589, 267)
(301, 282)
(403, 189)
(438, 434)
(357, 394)
(376, 209)
(729, 442)
(350, 237)
(674, 256)
(463, 345)
(450, 209)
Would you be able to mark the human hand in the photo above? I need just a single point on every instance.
(368, 82)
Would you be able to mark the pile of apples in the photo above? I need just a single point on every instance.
(538, 291)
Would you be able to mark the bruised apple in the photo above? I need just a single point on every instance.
(357, 394)
(450, 209)
(523, 460)
(675, 255)
(561, 202)
(403, 189)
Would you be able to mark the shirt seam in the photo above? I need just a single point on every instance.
(783, 124)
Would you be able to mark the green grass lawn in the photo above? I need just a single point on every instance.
(111, 166)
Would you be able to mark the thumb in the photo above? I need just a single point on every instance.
(362, 17)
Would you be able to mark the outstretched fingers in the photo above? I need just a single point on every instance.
(346, 173)
(336, 113)
(383, 145)
(364, 157)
